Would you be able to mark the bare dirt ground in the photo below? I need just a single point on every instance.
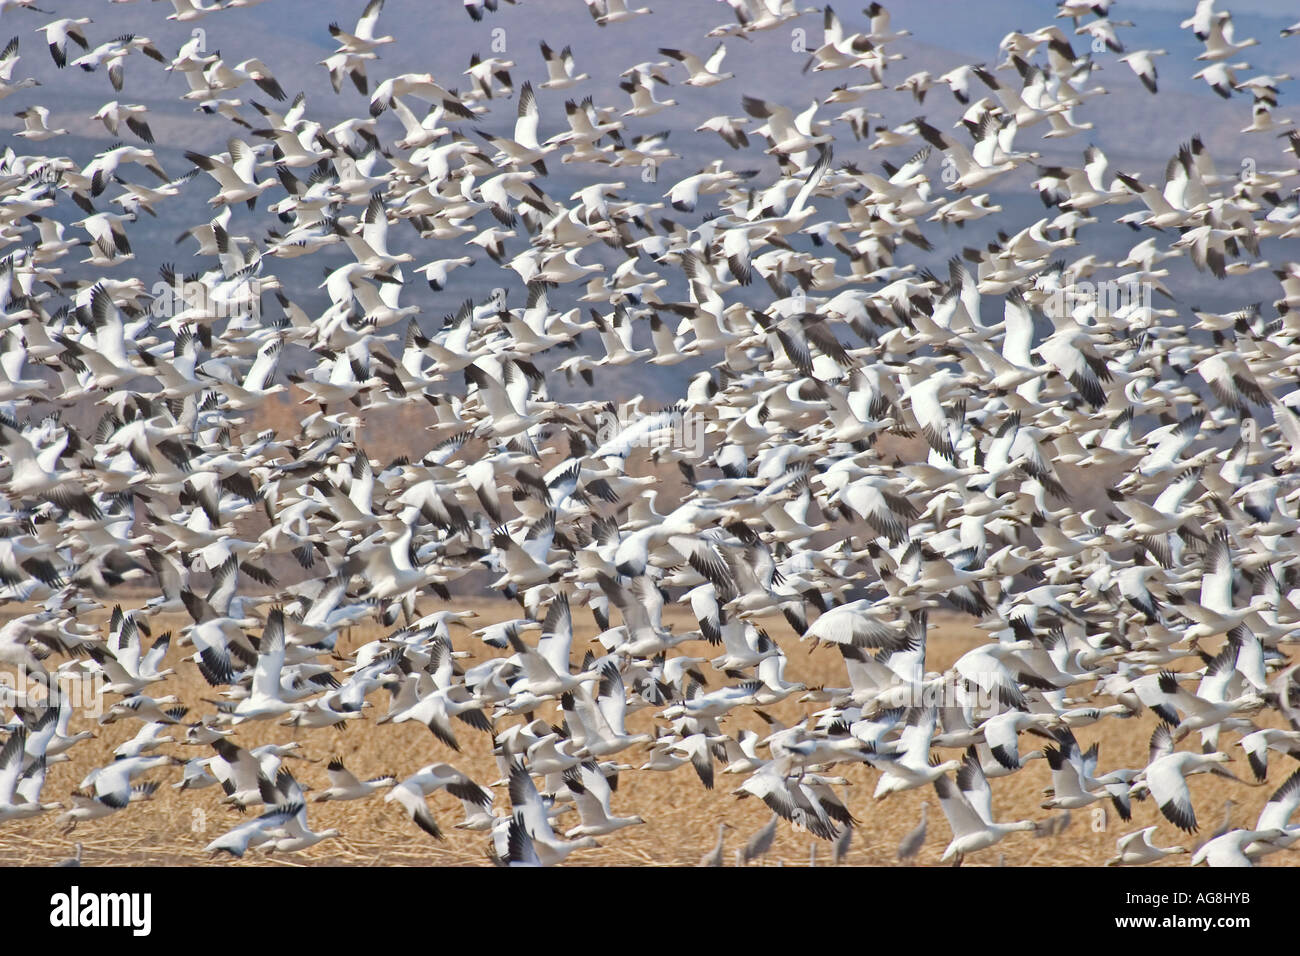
(682, 816)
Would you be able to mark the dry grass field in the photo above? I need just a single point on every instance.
(682, 817)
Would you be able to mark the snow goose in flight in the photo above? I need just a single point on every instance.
(421, 700)
(1071, 353)
(756, 15)
(102, 360)
(1142, 63)
(103, 168)
(293, 833)
(716, 703)
(560, 69)
(539, 679)
(1070, 778)
(502, 389)
(1200, 712)
(385, 565)
(985, 670)
(235, 172)
(605, 12)
(13, 361)
(1001, 733)
(113, 784)
(1230, 848)
(730, 128)
(219, 78)
(523, 149)
(196, 775)
(591, 793)
(1276, 815)
(639, 87)
(1103, 30)
(249, 394)
(958, 80)
(93, 806)
(36, 126)
(745, 644)
(878, 500)
(1220, 41)
(1075, 9)
(974, 169)
(151, 735)
(295, 151)
(1136, 849)
(1215, 613)
(1229, 377)
(1165, 777)
(189, 10)
(362, 39)
(59, 32)
(128, 670)
(344, 785)
(254, 833)
(918, 84)
(266, 697)
(641, 605)
(598, 727)
(140, 707)
(241, 774)
(436, 272)
(476, 8)
(788, 134)
(855, 625)
(702, 72)
(515, 847)
(534, 815)
(879, 32)
(1202, 19)
(968, 805)
(745, 577)
(411, 792)
(33, 473)
(1162, 212)
(839, 52)
(1258, 743)
(913, 768)
(352, 65)
(13, 804)
(771, 671)
(525, 565)
(421, 86)
(62, 741)
(114, 54)
(797, 799)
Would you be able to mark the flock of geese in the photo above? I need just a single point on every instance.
(1103, 484)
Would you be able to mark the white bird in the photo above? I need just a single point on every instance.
(1142, 63)
(702, 72)
(968, 805)
(1136, 849)
(1165, 776)
(560, 69)
(591, 793)
(344, 785)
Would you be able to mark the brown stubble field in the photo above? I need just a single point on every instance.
(682, 816)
